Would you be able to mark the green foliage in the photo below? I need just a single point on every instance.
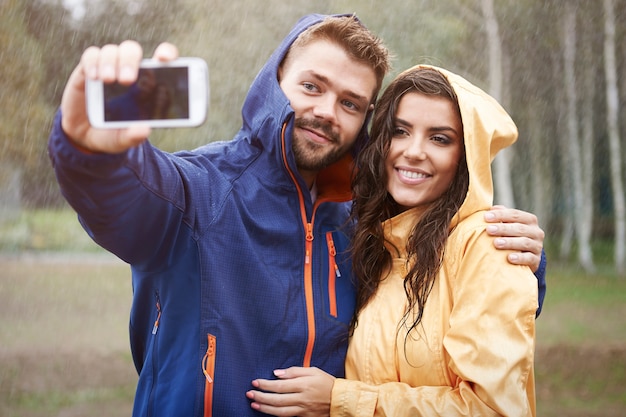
(25, 113)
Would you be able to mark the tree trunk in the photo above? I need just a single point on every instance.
(590, 69)
(575, 166)
(565, 200)
(539, 182)
(501, 165)
(612, 114)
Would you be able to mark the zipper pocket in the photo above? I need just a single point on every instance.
(208, 369)
(333, 274)
(154, 349)
(155, 327)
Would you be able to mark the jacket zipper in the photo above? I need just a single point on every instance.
(155, 329)
(308, 248)
(308, 293)
(333, 274)
(208, 369)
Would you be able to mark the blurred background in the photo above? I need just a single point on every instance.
(558, 67)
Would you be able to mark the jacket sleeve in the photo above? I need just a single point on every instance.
(487, 350)
(540, 273)
(131, 204)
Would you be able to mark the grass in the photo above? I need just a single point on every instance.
(63, 327)
(582, 309)
(44, 230)
(581, 344)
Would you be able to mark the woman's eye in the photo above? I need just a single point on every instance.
(443, 140)
(398, 131)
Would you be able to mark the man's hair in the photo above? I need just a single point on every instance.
(358, 42)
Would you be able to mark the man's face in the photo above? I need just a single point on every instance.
(330, 93)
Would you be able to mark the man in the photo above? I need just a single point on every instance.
(238, 249)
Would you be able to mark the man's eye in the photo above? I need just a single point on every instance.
(309, 86)
(350, 105)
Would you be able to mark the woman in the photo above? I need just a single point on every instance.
(443, 328)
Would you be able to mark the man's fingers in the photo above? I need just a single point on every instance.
(525, 258)
(107, 63)
(513, 230)
(129, 58)
(165, 52)
(113, 62)
(89, 62)
(520, 244)
(505, 215)
(527, 251)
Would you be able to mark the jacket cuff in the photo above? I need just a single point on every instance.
(61, 149)
(540, 273)
(352, 398)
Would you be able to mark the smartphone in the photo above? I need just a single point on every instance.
(166, 94)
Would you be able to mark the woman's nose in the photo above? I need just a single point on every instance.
(415, 149)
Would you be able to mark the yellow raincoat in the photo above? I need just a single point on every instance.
(473, 352)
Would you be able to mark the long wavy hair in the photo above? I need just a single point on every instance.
(373, 204)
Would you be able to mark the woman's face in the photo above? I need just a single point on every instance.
(425, 149)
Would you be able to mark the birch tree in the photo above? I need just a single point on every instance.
(587, 135)
(501, 168)
(612, 117)
(575, 168)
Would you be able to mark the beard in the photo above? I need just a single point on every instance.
(312, 156)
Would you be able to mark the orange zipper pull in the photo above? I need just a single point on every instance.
(155, 328)
(332, 252)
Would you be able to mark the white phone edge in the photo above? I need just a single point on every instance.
(198, 97)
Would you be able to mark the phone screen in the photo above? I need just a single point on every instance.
(158, 94)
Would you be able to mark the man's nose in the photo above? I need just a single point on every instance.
(326, 108)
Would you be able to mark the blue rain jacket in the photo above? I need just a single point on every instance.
(235, 271)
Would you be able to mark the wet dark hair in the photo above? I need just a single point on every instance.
(373, 204)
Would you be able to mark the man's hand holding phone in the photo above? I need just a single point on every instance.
(106, 66)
